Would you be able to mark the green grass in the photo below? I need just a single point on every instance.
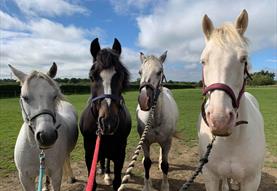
(188, 101)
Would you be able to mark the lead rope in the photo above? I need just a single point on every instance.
(201, 164)
(41, 169)
(131, 165)
(147, 127)
(92, 173)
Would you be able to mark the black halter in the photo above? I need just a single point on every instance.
(156, 90)
(29, 118)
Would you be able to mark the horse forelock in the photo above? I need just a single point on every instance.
(51, 82)
(227, 35)
(106, 59)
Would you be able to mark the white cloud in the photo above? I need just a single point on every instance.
(10, 22)
(49, 7)
(123, 7)
(176, 26)
(40, 43)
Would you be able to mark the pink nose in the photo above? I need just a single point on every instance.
(220, 120)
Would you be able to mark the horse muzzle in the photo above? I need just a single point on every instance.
(108, 125)
(221, 125)
(145, 99)
(46, 139)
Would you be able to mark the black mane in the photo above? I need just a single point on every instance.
(108, 58)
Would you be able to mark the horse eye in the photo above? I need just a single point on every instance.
(159, 73)
(202, 62)
(25, 98)
(55, 97)
(243, 59)
(140, 72)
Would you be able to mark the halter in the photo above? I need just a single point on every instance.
(103, 96)
(156, 90)
(29, 118)
(228, 90)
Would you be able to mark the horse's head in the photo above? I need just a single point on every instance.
(109, 78)
(39, 98)
(224, 61)
(151, 73)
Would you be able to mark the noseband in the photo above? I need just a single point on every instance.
(156, 90)
(29, 118)
(103, 96)
(228, 90)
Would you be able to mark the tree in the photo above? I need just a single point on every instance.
(262, 78)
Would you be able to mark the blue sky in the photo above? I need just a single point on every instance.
(34, 33)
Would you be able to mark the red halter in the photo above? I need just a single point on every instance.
(226, 89)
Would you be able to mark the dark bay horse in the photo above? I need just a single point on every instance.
(106, 109)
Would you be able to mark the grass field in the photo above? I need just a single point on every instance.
(188, 101)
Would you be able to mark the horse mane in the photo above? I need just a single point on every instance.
(37, 75)
(107, 58)
(227, 34)
(151, 57)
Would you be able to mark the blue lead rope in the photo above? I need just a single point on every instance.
(41, 169)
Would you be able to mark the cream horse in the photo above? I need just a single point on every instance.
(165, 117)
(50, 124)
(239, 149)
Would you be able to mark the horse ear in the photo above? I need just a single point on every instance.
(117, 46)
(163, 57)
(94, 48)
(142, 57)
(207, 27)
(242, 22)
(21, 76)
(53, 70)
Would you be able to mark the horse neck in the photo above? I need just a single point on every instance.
(159, 106)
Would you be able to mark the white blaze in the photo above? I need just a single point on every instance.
(106, 76)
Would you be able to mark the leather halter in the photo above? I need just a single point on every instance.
(156, 90)
(228, 90)
(29, 118)
(116, 98)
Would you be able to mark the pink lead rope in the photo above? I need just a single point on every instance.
(94, 165)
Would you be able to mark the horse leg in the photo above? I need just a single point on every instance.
(56, 178)
(107, 177)
(89, 146)
(252, 183)
(27, 182)
(147, 165)
(67, 167)
(164, 164)
(118, 165)
(102, 166)
(212, 182)
(46, 183)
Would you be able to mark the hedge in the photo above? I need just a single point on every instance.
(13, 90)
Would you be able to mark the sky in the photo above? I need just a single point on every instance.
(35, 33)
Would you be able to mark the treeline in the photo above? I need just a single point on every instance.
(11, 88)
(262, 78)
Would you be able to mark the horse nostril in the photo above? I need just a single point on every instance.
(56, 134)
(231, 115)
(101, 121)
(41, 137)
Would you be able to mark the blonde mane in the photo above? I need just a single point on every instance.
(37, 75)
(152, 57)
(227, 34)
